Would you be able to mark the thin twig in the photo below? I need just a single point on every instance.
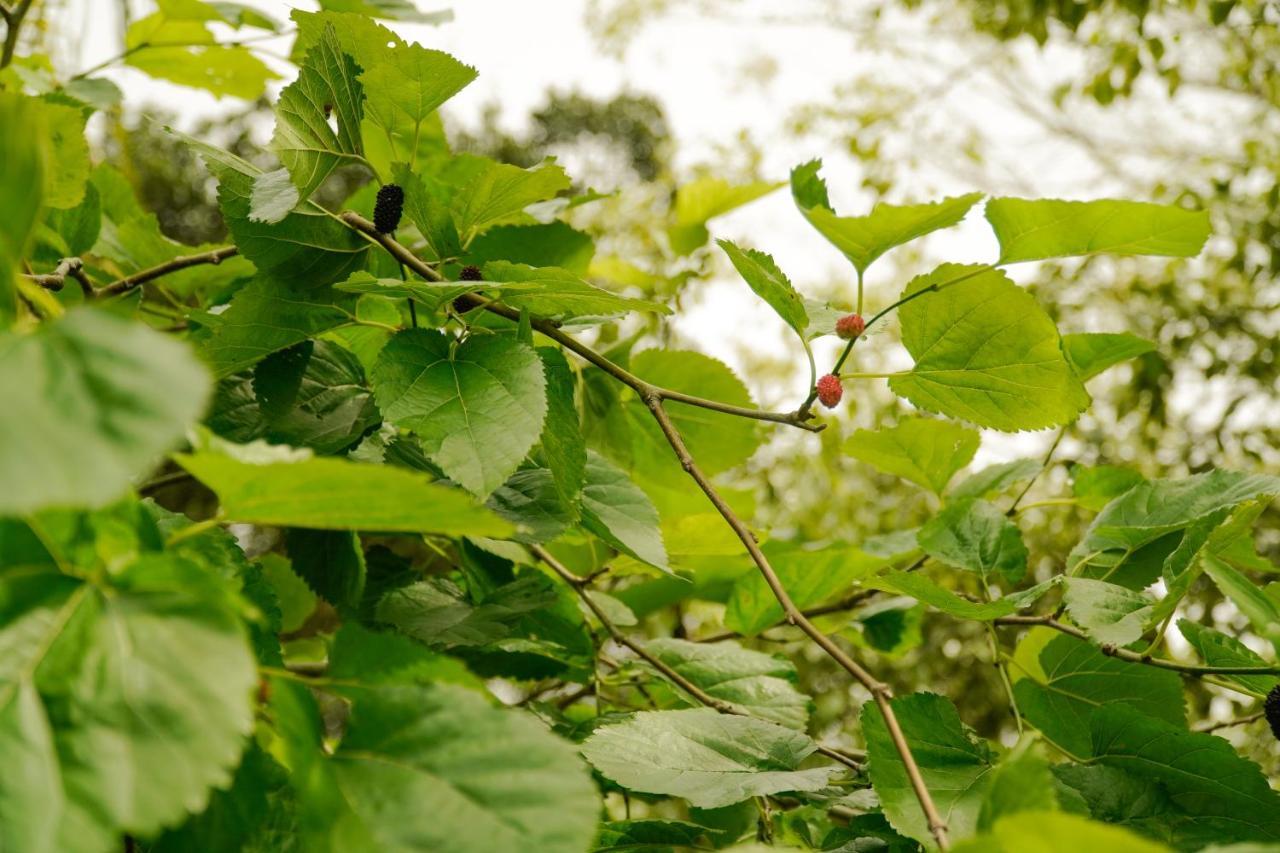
(1226, 724)
(579, 586)
(1111, 650)
(124, 285)
(551, 329)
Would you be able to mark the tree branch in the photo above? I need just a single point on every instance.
(551, 329)
(1111, 650)
(653, 398)
(579, 586)
(880, 691)
(124, 285)
(66, 268)
(13, 18)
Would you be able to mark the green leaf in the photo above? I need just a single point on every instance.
(1095, 486)
(927, 592)
(331, 562)
(559, 294)
(407, 86)
(107, 727)
(335, 494)
(313, 395)
(529, 499)
(267, 316)
(1060, 683)
(427, 210)
(702, 200)
(494, 779)
(862, 239)
(1201, 773)
(955, 766)
(477, 408)
(1021, 782)
(761, 685)
(185, 52)
(978, 536)
(620, 513)
(1056, 832)
(21, 193)
(438, 613)
(719, 442)
(307, 145)
(1153, 509)
(994, 479)
(62, 134)
(92, 400)
(561, 443)
(707, 758)
(389, 657)
(498, 193)
(655, 836)
(1262, 610)
(985, 352)
(771, 284)
(1090, 354)
(1046, 228)
(1219, 649)
(810, 577)
(554, 244)
(926, 451)
(1109, 613)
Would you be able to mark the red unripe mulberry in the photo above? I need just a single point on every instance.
(829, 390)
(850, 326)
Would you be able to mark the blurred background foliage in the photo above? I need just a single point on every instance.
(1173, 101)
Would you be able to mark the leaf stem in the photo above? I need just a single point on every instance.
(13, 20)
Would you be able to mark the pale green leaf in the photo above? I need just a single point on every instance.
(1261, 609)
(994, 479)
(93, 400)
(184, 52)
(862, 239)
(761, 685)
(1109, 613)
(21, 192)
(1056, 832)
(1095, 486)
(919, 587)
(1020, 782)
(771, 284)
(985, 352)
(709, 759)
(339, 495)
(704, 199)
(437, 612)
(62, 134)
(955, 766)
(652, 835)
(498, 193)
(410, 84)
(1046, 228)
(1092, 353)
(926, 451)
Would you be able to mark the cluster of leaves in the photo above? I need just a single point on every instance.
(420, 491)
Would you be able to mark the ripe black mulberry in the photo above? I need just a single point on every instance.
(388, 208)
(1271, 710)
(470, 274)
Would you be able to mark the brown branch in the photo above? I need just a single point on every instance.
(66, 268)
(579, 586)
(124, 285)
(1111, 650)
(847, 603)
(1226, 724)
(551, 329)
(880, 691)
(13, 18)
(653, 398)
